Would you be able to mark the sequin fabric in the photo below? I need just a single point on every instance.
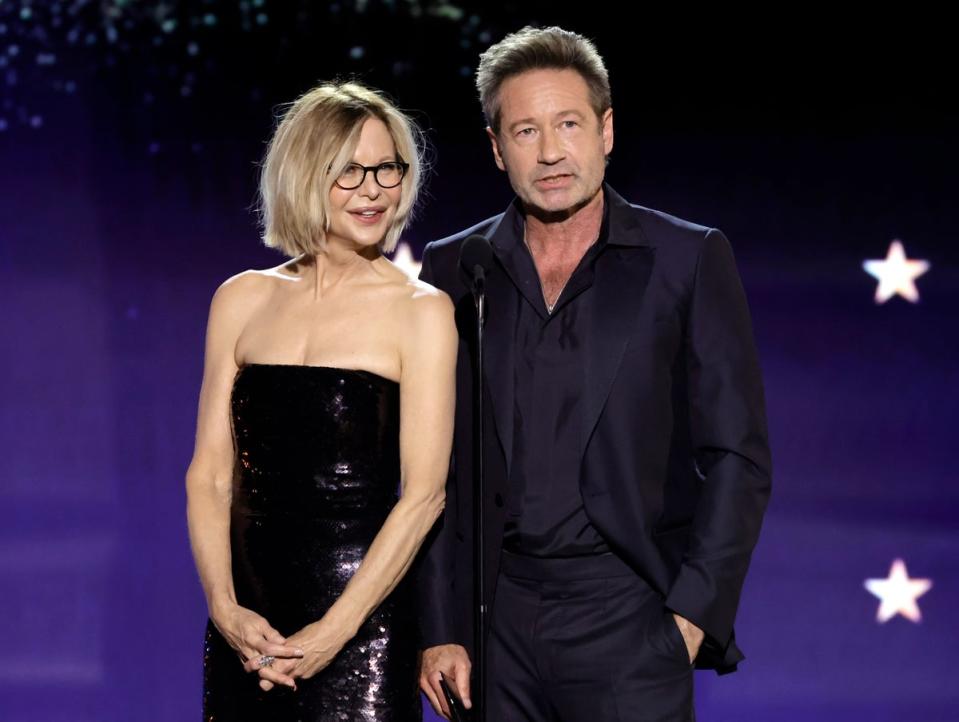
(316, 473)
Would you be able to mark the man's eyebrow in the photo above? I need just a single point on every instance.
(530, 121)
(522, 121)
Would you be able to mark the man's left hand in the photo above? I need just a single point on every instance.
(692, 635)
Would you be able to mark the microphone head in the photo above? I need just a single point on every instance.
(476, 251)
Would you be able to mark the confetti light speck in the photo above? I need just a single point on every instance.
(150, 47)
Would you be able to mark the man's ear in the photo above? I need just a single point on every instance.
(608, 131)
(497, 156)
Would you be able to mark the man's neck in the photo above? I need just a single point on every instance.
(550, 236)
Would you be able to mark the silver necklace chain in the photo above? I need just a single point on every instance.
(549, 306)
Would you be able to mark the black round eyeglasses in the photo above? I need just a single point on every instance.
(387, 175)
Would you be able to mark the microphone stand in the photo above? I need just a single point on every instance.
(479, 494)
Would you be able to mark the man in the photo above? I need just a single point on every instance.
(626, 453)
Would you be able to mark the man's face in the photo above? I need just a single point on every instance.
(550, 142)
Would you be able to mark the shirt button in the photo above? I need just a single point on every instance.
(498, 500)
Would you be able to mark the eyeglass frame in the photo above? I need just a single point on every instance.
(374, 168)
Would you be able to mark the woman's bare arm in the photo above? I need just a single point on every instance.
(209, 479)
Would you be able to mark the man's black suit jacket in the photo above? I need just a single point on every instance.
(675, 470)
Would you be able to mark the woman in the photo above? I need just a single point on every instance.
(328, 383)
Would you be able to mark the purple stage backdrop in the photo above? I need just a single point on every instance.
(129, 134)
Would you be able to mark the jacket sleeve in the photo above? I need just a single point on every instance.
(730, 443)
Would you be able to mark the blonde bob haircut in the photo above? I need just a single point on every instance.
(313, 143)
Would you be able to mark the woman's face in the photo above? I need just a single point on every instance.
(363, 215)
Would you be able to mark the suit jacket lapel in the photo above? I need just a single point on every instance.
(502, 300)
(621, 276)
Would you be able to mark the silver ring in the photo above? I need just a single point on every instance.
(265, 661)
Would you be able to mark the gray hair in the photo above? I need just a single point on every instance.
(536, 49)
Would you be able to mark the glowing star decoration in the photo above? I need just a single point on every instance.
(896, 274)
(898, 593)
(403, 257)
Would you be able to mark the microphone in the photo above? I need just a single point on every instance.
(476, 258)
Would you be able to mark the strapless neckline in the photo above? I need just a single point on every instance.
(312, 367)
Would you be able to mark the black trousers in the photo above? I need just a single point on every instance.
(583, 640)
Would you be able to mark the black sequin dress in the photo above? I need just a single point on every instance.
(317, 471)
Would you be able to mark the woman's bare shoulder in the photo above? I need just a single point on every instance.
(243, 287)
(257, 282)
(426, 304)
(241, 294)
(414, 295)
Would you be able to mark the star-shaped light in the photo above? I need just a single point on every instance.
(898, 593)
(896, 274)
(403, 257)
